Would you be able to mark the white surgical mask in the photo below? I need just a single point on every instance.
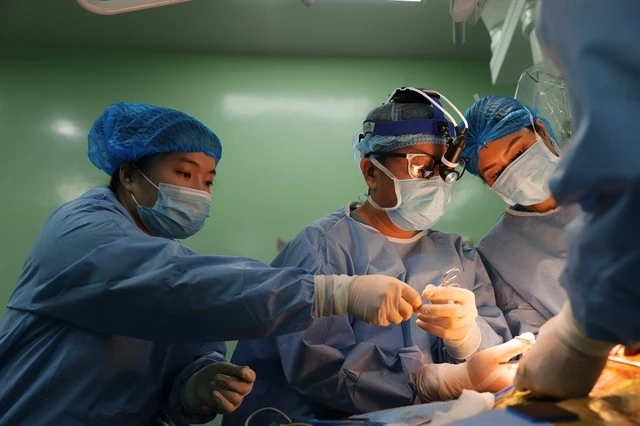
(526, 181)
(420, 202)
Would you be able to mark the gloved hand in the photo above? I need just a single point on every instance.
(564, 363)
(483, 372)
(451, 315)
(218, 387)
(375, 299)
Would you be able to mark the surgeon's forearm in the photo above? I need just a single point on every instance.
(571, 332)
(603, 260)
(188, 299)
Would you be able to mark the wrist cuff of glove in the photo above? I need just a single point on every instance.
(331, 296)
(463, 349)
(441, 382)
(575, 337)
(189, 401)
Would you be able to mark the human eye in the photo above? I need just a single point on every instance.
(518, 154)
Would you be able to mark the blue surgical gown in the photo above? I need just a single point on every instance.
(107, 323)
(525, 253)
(341, 366)
(596, 45)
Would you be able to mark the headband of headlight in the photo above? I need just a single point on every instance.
(442, 123)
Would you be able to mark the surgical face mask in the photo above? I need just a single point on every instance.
(526, 181)
(179, 212)
(420, 202)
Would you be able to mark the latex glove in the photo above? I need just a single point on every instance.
(564, 363)
(451, 315)
(375, 299)
(483, 372)
(218, 387)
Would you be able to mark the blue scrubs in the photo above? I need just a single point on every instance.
(596, 45)
(341, 366)
(107, 323)
(525, 254)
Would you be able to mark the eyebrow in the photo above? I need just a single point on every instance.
(511, 143)
(195, 163)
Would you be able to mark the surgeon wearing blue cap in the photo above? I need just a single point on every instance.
(341, 366)
(513, 150)
(113, 320)
(595, 45)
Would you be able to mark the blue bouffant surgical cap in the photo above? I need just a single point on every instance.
(494, 117)
(126, 132)
(397, 125)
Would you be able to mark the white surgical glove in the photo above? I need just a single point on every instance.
(218, 387)
(483, 372)
(564, 363)
(375, 299)
(451, 315)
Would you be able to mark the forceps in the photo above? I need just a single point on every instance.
(449, 279)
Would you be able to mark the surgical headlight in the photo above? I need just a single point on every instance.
(451, 166)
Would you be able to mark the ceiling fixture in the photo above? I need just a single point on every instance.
(113, 7)
(462, 12)
(310, 2)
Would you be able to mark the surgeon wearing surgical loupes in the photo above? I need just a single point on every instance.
(342, 366)
(112, 319)
(513, 150)
(595, 45)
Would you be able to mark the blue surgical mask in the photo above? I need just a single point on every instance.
(420, 202)
(179, 212)
(526, 181)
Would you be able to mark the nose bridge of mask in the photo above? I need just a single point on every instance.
(184, 192)
(176, 190)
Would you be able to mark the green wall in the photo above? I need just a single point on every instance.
(286, 125)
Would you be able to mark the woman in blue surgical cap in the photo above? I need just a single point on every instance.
(514, 151)
(112, 319)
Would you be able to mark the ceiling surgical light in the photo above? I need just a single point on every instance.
(114, 7)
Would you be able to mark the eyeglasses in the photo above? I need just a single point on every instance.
(422, 166)
(419, 166)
